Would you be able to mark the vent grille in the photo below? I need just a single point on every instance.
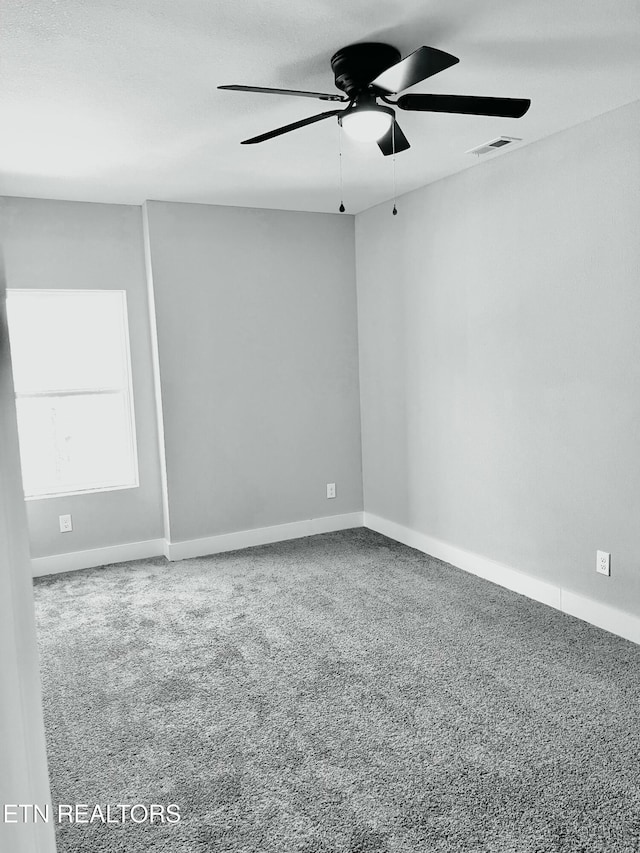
(488, 147)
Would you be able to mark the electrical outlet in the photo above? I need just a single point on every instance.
(65, 524)
(331, 490)
(603, 563)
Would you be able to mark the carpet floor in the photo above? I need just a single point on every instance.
(337, 693)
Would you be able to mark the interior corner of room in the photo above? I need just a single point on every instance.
(242, 328)
(467, 378)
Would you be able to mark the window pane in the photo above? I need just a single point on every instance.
(75, 443)
(66, 346)
(67, 340)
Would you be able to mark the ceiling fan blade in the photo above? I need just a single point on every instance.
(394, 138)
(422, 63)
(465, 104)
(288, 127)
(322, 96)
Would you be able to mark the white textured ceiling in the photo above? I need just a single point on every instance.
(116, 101)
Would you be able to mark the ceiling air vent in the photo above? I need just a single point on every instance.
(487, 147)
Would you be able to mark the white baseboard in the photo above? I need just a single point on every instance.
(261, 536)
(602, 615)
(74, 560)
(609, 618)
(97, 557)
(468, 561)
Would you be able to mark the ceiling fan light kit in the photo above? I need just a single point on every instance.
(367, 122)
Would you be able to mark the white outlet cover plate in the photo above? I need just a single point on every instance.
(65, 524)
(603, 563)
(331, 490)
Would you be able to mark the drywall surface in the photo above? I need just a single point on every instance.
(258, 364)
(499, 334)
(67, 245)
(24, 776)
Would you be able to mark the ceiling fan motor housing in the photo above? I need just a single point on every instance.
(357, 65)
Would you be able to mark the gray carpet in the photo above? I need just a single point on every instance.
(336, 693)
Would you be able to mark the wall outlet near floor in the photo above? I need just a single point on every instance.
(603, 563)
(331, 490)
(65, 523)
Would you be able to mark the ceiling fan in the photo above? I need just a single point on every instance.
(369, 72)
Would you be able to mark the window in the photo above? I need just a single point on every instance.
(72, 376)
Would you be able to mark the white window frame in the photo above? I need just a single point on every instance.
(128, 397)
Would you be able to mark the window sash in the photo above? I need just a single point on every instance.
(125, 434)
(50, 482)
(76, 392)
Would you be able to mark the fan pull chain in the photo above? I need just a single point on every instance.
(341, 208)
(393, 160)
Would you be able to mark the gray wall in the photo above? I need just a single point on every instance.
(56, 244)
(24, 777)
(499, 328)
(257, 338)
